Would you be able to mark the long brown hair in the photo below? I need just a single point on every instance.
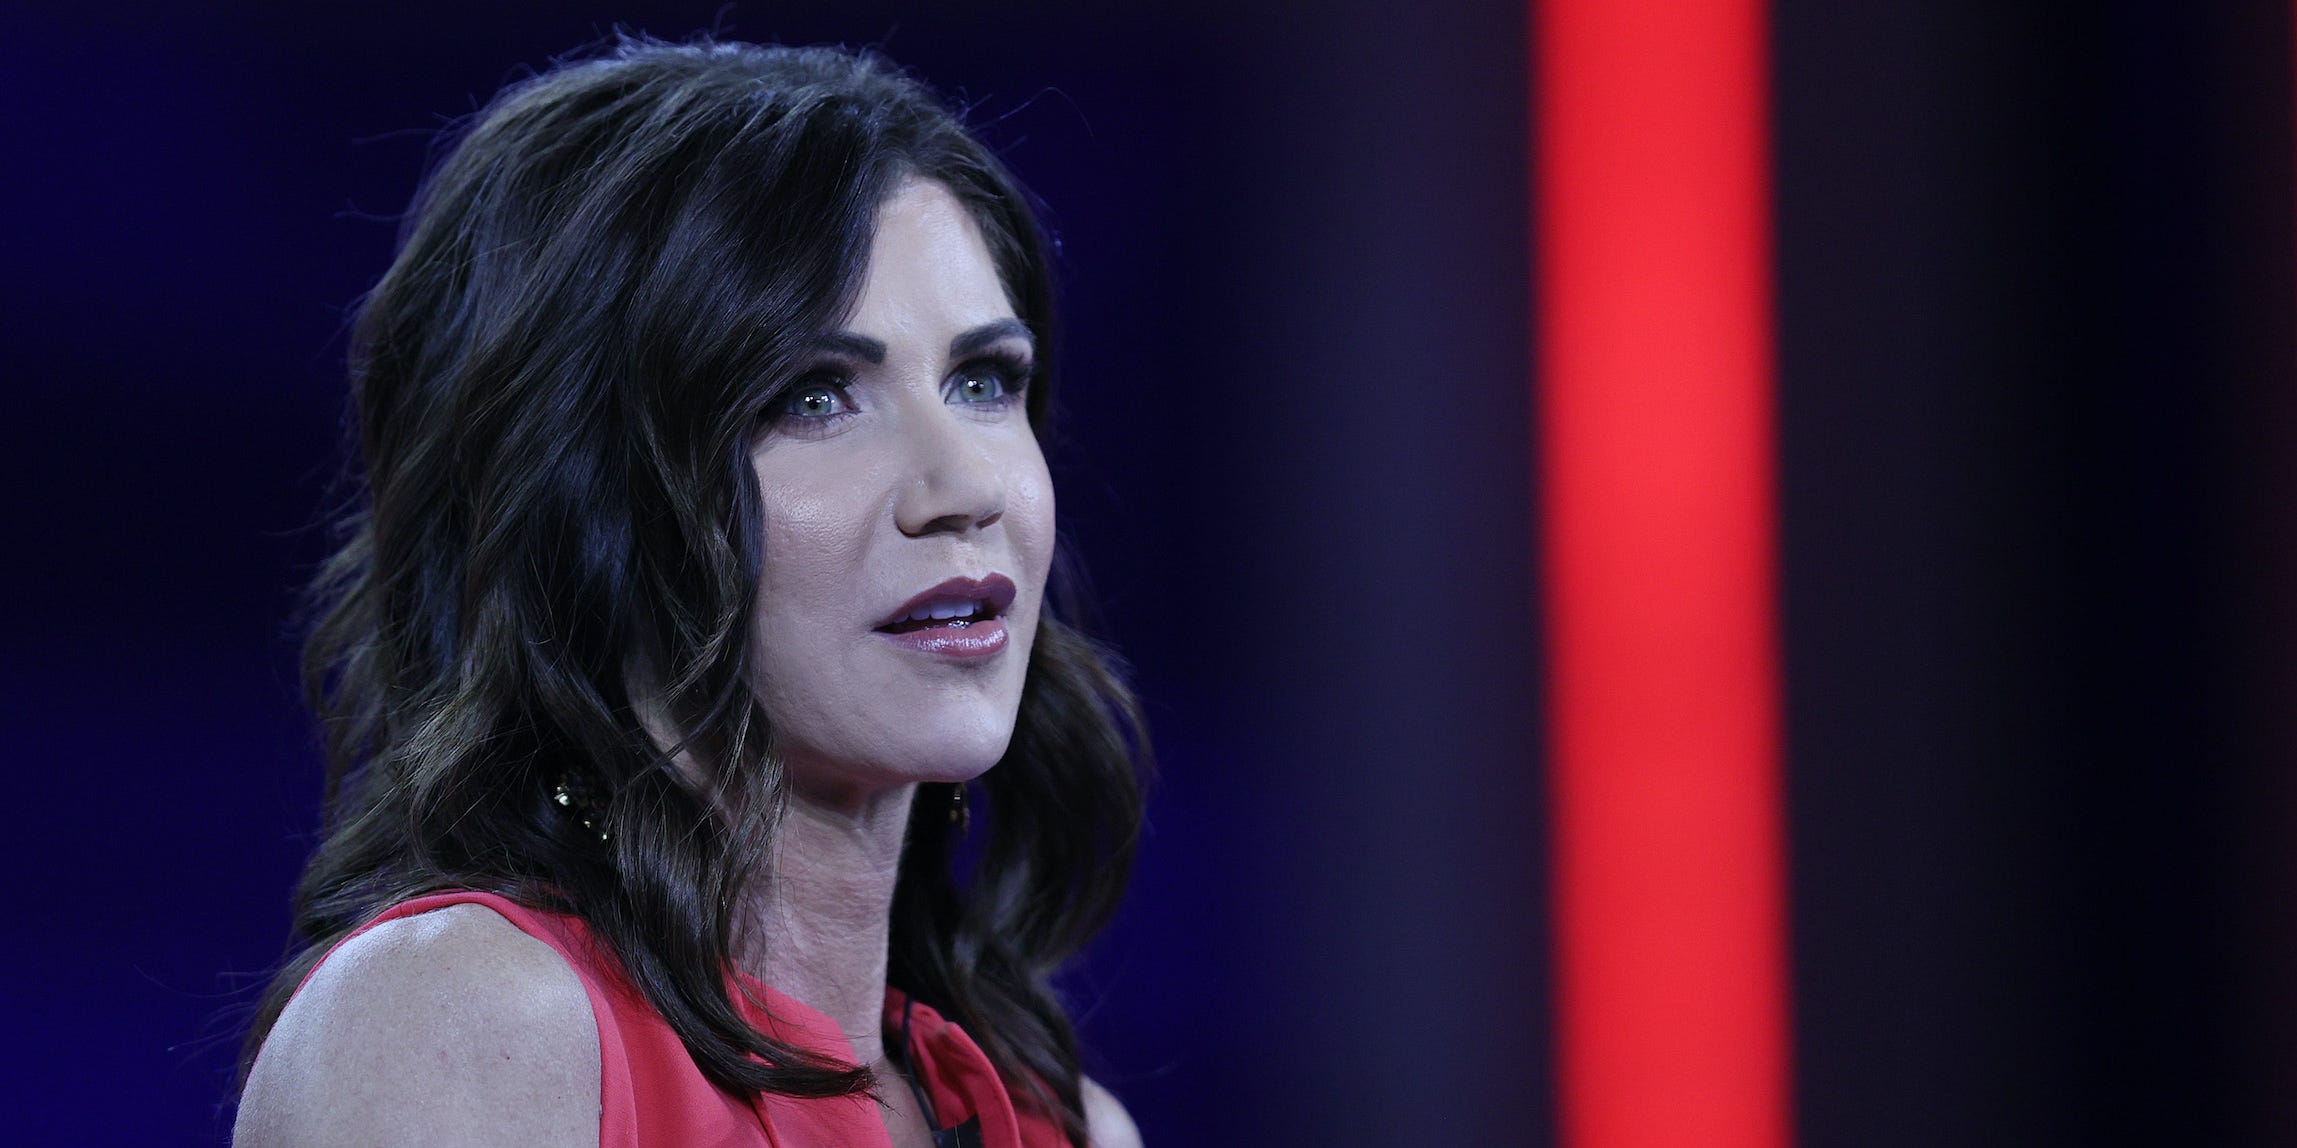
(599, 290)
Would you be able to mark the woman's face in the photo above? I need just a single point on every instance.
(899, 478)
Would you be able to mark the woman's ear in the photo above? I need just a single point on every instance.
(643, 686)
(738, 800)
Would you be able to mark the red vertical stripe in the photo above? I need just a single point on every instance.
(1652, 206)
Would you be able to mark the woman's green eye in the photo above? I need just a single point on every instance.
(815, 401)
(981, 387)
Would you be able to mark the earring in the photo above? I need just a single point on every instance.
(960, 814)
(584, 811)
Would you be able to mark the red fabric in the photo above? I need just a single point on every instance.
(651, 1094)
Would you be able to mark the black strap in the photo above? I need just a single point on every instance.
(966, 1135)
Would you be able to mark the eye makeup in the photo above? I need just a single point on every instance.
(822, 396)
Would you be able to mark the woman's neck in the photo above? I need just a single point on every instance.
(821, 917)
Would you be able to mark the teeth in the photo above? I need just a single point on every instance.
(942, 611)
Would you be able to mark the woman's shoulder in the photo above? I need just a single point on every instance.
(1107, 1124)
(452, 1026)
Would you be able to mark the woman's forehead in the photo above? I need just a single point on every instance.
(930, 270)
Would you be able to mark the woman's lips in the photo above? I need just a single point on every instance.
(963, 641)
(996, 590)
(977, 631)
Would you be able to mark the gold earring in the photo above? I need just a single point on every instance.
(960, 814)
(586, 812)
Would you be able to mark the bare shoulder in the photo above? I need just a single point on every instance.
(450, 1027)
(1107, 1124)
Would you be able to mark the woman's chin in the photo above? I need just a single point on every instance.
(961, 756)
(926, 753)
(949, 738)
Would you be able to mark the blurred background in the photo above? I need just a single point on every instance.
(2037, 270)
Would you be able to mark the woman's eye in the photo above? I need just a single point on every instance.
(980, 388)
(818, 400)
(986, 384)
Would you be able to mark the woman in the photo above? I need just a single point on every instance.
(701, 566)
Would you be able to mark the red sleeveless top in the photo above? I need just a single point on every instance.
(651, 1094)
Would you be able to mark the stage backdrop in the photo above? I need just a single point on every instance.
(2034, 329)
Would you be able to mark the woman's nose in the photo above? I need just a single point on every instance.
(955, 482)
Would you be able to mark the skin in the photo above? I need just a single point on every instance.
(880, 480)
(878, 487)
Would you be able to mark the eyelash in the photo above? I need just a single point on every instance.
(1013, 372)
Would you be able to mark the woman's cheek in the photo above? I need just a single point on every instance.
(1033, 497)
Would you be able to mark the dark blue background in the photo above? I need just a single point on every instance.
(1293, 465)
(2038, 398)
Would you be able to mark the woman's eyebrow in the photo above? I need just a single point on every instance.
(988, 333)
(861, 347)
(872, 351)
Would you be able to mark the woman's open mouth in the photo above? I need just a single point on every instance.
(950, 615)
(961, 618)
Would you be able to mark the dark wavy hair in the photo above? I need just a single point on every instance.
(599, 291)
